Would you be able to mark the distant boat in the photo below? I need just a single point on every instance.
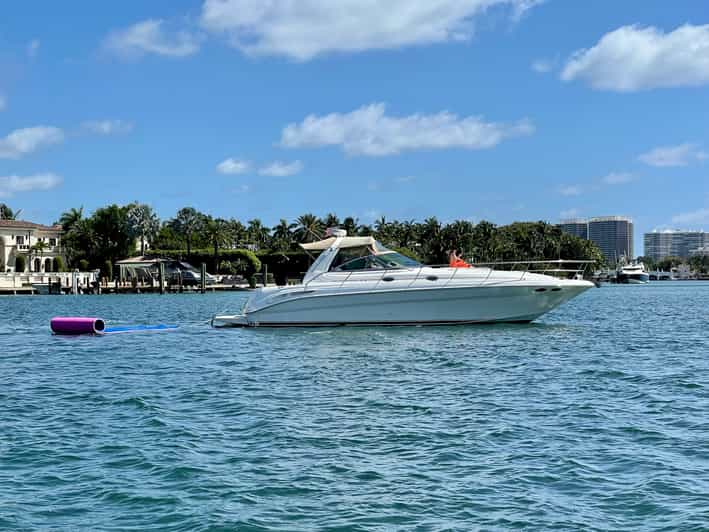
(41, 288)
(632, 274)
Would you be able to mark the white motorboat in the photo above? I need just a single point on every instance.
(633, 274)
(358, 281)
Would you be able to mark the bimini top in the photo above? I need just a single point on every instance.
(345, 242)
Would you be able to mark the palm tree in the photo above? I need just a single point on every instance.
(186, 223)
(380, 224)
(350, 225)
(406, 233)
(70, 218)
(431, 240)
(385, 231)
(258, 233)
(144, 223)
(282, 238)
(308, 228)
(237, 233)
(218, 234)
(6, 213)
(458, 235)
(79, 241)
(331, 220)
(485, 241)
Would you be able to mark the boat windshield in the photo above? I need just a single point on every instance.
(367, 258)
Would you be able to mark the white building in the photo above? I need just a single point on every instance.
(19, 239)
(661, 244)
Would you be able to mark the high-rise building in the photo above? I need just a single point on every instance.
(577, 227)
(612, 234)
(658, 245)
(661, 244)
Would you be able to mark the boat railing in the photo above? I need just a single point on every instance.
(564, 268)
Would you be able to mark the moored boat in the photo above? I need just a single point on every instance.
(358, 281)
(632, 274)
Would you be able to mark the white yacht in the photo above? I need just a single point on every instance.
(632, 274)
(358, 281)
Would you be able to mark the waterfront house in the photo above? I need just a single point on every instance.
(19, 238)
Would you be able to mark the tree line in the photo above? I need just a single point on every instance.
(110, 233)
(114, 232)
(697, 263)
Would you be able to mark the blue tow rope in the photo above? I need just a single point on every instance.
(137, 328)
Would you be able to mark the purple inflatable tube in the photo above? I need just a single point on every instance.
(65, 325)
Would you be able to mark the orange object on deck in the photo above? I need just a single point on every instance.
(459, 263)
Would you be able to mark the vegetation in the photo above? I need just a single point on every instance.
(6, 213)
(143, 223)
(38, 249)
(115, 232)
(229, 261)
(58, 264)
(700, 264)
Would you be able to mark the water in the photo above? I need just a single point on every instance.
(596, 417)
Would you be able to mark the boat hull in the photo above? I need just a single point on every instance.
(636, 278)
(440, 306)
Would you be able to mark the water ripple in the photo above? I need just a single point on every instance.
(589, 419)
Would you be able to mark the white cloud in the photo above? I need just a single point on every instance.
(680, 155)
(151, 37)
(304, 29)
(618, 178)
(233, 166)
(3, 102)
(634, 58)
(280, 169)
(571, 190)
(542, 66)
(24, 141)
(107, 127)
(692, 217)
(33, 48)
(10, 185)
(369, 131)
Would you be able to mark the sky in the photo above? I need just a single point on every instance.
(504, 110)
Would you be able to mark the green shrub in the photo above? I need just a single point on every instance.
(84, 265)
(58, 264)
(20, 264)
(107, 270)
(252, 281)
(225, 267)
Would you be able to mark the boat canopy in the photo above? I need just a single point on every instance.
(345, 242)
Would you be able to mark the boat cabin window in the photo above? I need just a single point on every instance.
(367, 258)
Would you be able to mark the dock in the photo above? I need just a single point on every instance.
(123, 289)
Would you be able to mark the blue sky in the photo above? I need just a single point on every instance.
(478, 109)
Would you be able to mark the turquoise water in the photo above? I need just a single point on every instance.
(596, 417)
